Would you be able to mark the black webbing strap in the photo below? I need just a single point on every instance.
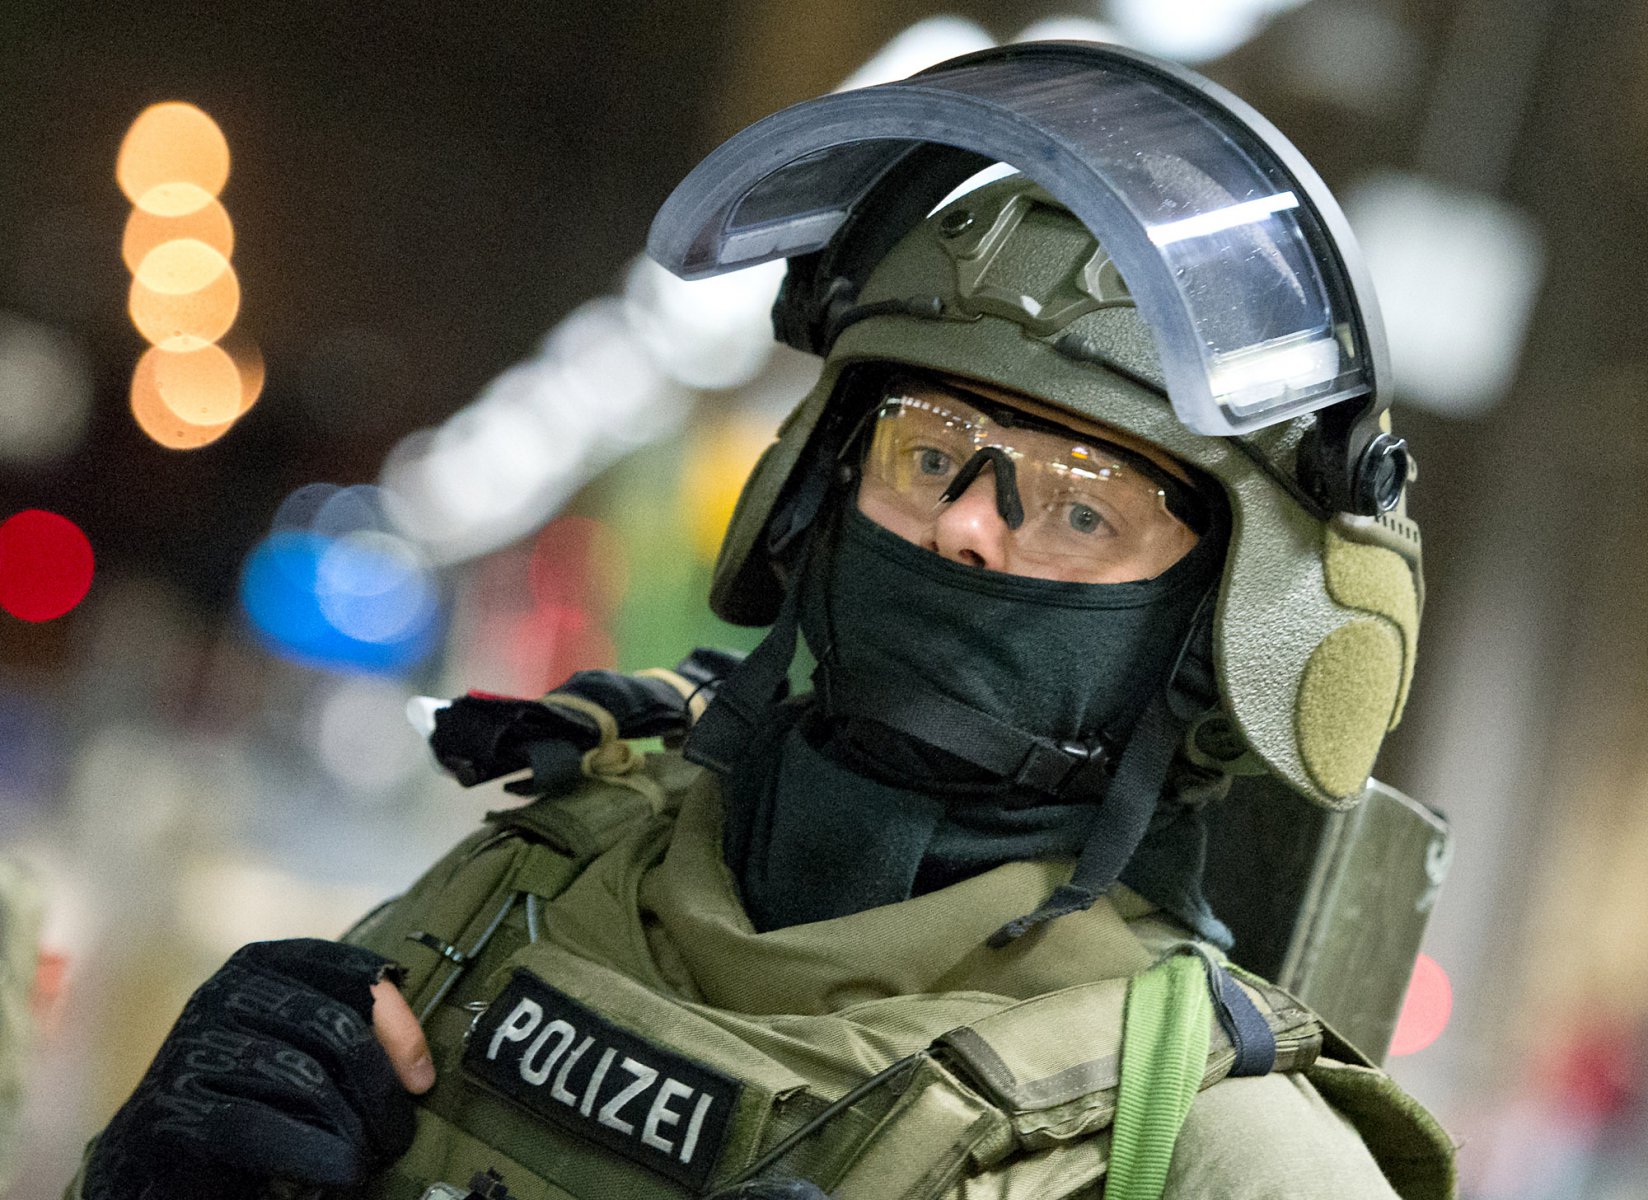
(1127, 807)
(744, 701)
(1067, 769)
(1249, 1033)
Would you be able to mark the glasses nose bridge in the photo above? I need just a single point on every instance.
(969, 528)
(1003, 469)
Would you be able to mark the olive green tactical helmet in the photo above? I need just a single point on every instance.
(1317, 618)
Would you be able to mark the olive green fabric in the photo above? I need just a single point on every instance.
(1376, 580)
(1013, 1078)
(1165, 1035)
(702, 945)
(1411, 1147)
(1272, 1136)
(642, 922)
(1275, 604)
(22, 910)
(1346, 696)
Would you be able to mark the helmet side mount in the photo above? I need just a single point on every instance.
(1349, 463)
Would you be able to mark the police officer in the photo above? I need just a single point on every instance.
(935, 927)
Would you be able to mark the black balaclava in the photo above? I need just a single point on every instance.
(831, 812)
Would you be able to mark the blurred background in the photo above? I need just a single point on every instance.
(422, 420)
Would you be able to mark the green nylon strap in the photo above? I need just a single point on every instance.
(1165, 1035)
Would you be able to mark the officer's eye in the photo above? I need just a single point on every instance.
(932, 462)
(1086, 519)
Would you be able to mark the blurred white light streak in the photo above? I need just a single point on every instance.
(1192, 31)
(1068, 29)
(617, 373)
(1457, 274)
(1220, 219)
(919, 47)
(708, 333)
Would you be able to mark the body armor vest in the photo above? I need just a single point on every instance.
(566, 1076)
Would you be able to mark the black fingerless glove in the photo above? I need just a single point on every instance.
(272, 1072)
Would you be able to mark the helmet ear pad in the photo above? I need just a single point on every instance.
(1355, 683)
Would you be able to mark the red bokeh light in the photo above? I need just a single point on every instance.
(578, 562)
(45, 565)
(1426, 1009)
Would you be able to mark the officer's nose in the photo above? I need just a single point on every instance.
(970, 530)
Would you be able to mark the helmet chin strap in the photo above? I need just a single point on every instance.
(723, 735)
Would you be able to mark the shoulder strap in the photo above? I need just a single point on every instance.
(1058, 1088)
(1165, 1035)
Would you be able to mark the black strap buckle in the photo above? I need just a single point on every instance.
(1069, 769)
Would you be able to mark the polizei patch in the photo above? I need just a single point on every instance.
(544, 1050)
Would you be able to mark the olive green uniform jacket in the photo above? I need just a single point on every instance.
(639, 920)
(612, 908)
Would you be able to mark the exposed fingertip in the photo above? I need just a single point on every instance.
(419, 1077)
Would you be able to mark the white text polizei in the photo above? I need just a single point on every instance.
(571, 1065)
(557, 1043)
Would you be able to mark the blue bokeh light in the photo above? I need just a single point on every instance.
(284, 595)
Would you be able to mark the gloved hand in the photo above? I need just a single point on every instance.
(273, 1071)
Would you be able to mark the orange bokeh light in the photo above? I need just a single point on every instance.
(187, 321)
(161, 423)
(180, 267)
(170, 144)
(208, 224)
(201, 386)
(249, 362)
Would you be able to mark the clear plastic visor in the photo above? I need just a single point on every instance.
(1236, 254)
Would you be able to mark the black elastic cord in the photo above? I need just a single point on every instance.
(886, 1075)
(1069, 770)
(1125, 816)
